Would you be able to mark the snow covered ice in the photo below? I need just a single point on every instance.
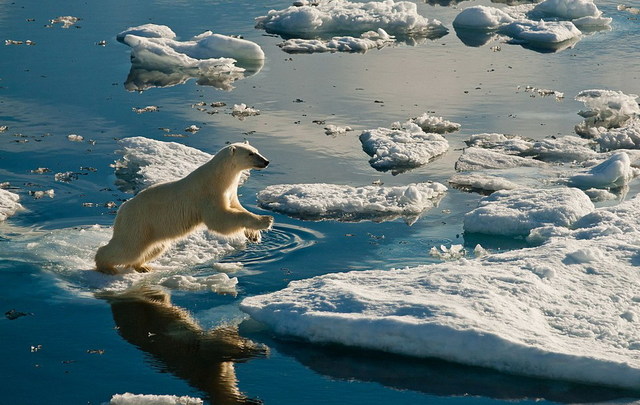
(402, 147)
(516, 212)
(343, 17)
(150, 399)
(528, 312)
(367, 41)
(159, 60)
(614, 172)
(347, 203)
(9, 204)
(551, 25)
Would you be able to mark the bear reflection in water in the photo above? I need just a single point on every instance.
(146, 318)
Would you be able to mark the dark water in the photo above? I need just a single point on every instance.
(73, 346)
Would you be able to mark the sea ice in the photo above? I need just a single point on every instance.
(368, 40)
(614, 172)
(565, 310)
(516, 212)
(481, 182)
(542, 33)
(433, 124)
(606, 109)
(146, 162)
(507, 144)
(148, 31)
(626, 137)
(343, 17)
(9, 204)
(347, 203)
(218, 283)
(241, 111)
(566, 9)
(475, 158)
(482, 18)
(401, 148)
(148, 399)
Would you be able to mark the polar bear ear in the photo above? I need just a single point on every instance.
(232, 149)
(246, 142)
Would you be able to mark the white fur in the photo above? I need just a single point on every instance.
(147, 224)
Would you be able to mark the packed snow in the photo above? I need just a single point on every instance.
(516, 212)
(9, 204)
(480, 182)
(433, 124)
(565, 310)
(367, 41)
(347, 203)
(342, 17)
(150, 399)
(401, 148)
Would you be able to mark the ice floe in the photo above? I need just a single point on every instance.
(145, 162)
(565, 310)
(434, 124)
(516, 212)
(614, 172)
(9, 204)
(367, 41)
(612, 119)
(342, 17)
(150, 399)
(482, 183)
(347, 203)
(402, 147)
(476, 158)
(220, 283)
(159, 60)
(551, 25)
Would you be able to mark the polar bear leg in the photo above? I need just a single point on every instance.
(236, 220)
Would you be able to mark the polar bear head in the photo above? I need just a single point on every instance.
(246, 156)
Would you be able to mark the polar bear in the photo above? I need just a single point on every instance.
(147, 224)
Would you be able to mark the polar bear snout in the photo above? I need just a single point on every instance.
(260, 162)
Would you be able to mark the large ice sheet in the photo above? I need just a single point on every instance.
(9, 204)
(402, 147)
(516, 212)
(565, 310)
(347, 203)
(399, 18)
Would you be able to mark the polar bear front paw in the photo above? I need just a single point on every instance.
(266, 221)
(253, 235)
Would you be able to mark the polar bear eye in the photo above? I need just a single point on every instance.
(252, 154)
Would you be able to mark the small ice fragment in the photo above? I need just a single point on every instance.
(149, 108)
(66, 21)
(75, 138)
(192, 128)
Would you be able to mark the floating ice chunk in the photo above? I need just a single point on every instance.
(369, 40)
(482, 18)
(599, 195)
(473, 159)
(606, 109)
(447, 253)
(563, 149)
(346, 18)
(218, 283)
(613, 172)
(473, 182)
(242, 111)
(75, 138)
(228, 267)
(567, 9)
(516, 212)
(626, 137)
(66, 21)
(546, 311)
(433, 124)
(543, 34)
(147, 399)
(146, 162)
(402, 148)
(9, 204)
(336, 130)
(629, 9)
(203, 46)
(347, 203)
(148, 31)
(509, 144)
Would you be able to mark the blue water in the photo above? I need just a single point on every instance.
(76, 347)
